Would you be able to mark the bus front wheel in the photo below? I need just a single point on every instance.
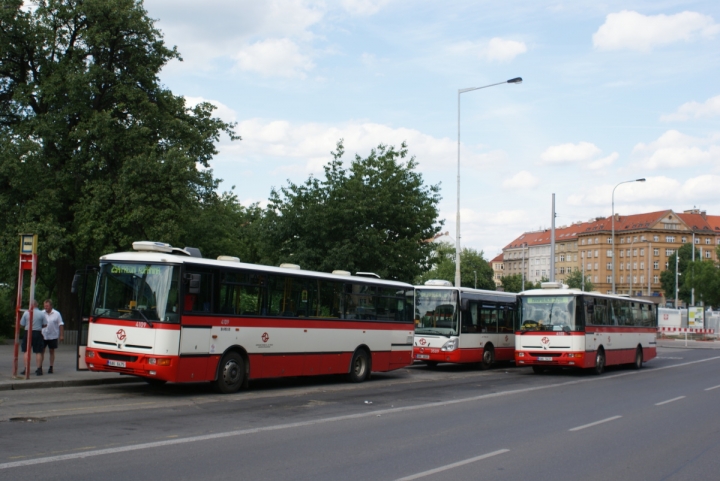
(638, 358)
(599, 362)
(231, 373)
(488, 357)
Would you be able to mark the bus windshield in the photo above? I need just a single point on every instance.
(436, 312)
(548, 313)
(139, 292)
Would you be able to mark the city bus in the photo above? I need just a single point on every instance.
(167, 314)
(461, 325)
(561, 327)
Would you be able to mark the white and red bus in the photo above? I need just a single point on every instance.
(561, 327)
(463, 325)
(166, 314)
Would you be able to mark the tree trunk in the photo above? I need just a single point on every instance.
(67, 302)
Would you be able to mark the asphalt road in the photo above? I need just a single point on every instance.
(454, 423)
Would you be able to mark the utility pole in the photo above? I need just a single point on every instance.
(552, 243)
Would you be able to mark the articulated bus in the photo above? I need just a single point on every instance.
(463, 325)
(166, 314)
(561, 327)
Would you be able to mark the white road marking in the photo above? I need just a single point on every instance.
(711, 388)
(241, 432)
(453, 465)
(670, 400)
(595, 423)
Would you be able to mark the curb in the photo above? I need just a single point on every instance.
(16, 386)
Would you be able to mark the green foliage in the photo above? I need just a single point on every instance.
(667, 277)
(372, 216)
(704, 276)
(472, 264)
(575, 280)
(513, 283)
(94, 152)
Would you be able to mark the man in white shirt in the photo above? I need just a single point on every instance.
(54, 330)
(35, 332)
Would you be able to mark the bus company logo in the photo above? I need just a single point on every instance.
(121, 336)
(422, 341)
(225, 322)
(507, 338)
(545, 340)
(265, 337)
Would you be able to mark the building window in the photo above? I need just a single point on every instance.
(656, 265)
(597, 240)
(562, 257)
(684, 240)
(628, 252)
(697, 240)
(642, 279)
(562, 270)
(669, 252)
(634, 252)
(634, 278)
(670, 238)
(622, 240)
(642, 265)
(582, 255)
(707, 254)
(609, 253)
(642, 238)
(671, 226)
(622, 279)
(543, 272)
(656, 238)
(582, 242)
(622, 266)
(608, 266)
(634, 265)
(656, 252)
(656, 279)
(589, 266)
(596, 279)
(707, 241)
(628, 266)
(575, 257)
(609, 239)
(597, 253)
(608, 279)
(622, 253)
(642, 252)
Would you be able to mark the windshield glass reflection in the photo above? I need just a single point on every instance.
(551, 313)
(436, 312)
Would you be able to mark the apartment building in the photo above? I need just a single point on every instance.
(498, 269)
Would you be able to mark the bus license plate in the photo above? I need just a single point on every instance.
(544, 358)
(116, 363)
(422, 356)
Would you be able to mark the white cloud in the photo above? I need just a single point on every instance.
(221, 110)
(654, 188)
(565, 153)
(675, 149)
(274, 57)
(521, 180)
(628, 30)
(364, 7)
(701, 189)
(494, 50)
(695, 110)
(604, 162)
(305, 148)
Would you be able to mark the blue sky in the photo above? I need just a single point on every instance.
(612, 91)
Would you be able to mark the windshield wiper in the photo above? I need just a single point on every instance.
(143, 316)
(431, 332)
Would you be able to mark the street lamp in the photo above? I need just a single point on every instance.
(516, 80)
(614, 259)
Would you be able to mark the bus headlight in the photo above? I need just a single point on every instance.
(451, 345)
(90, 354)
(521, 354)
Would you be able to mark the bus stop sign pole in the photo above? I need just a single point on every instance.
(28, 261)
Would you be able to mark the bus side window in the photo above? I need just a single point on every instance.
(470, 319)
(198, 298)
(488, 318)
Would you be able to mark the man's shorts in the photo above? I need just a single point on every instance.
(51, 343)
(38, 342)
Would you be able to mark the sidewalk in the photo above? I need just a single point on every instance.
(65, 373)
(680, 344)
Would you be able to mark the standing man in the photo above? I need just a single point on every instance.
(55, 329)
(38, 343)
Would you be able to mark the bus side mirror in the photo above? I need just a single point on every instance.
(464, 304)
(193, 282)
(75, 283)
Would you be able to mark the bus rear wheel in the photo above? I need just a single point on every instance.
(231, 373)
(359, 366)
(638, 358)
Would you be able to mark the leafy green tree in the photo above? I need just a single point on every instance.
(473, 266)
(94, 152)
(512, 283)
(371, 216)
(575, 280)
(667, 277)
(704, 276)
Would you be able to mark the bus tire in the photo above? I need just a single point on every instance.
(638, 358)
(231, 373)
(359, 366)
(599, 361)
(488, 357)
(538, 369)
(431, 364)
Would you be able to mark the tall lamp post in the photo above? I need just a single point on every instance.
(614, 259)
(516, 80)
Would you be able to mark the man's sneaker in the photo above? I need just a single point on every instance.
(50, 371)
(38, 372)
